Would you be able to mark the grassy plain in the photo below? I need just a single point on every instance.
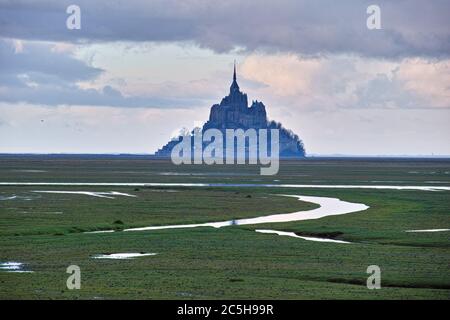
(45, 231)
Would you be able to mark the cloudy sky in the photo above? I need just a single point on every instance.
(139, 71)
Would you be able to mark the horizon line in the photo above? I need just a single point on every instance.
(314, 155)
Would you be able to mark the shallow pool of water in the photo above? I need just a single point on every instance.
(130, 255)
(157, 184)
(294, 235)
(428, 230)
(12, 266)
(108, 195)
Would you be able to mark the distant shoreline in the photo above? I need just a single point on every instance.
(153, 157)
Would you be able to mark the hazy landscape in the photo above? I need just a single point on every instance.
(199, 154)
(43, 229)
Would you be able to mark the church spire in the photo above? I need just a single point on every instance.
(234, 86)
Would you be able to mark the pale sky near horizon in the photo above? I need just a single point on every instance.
(138, 72)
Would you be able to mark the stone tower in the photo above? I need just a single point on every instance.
(233, 111)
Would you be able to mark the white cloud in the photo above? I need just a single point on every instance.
(429, 79)
(344, 81)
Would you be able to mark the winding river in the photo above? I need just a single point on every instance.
(328, 207)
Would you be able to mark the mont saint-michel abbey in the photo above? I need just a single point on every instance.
(233, 112)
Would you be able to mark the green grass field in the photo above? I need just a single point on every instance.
(45, 231)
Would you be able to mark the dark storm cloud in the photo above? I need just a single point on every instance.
(409, 28)
(44, 63)
(69, 94)
(40, 75)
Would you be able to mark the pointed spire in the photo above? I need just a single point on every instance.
(234, 86)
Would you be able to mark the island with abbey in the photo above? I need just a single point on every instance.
(233, 112)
